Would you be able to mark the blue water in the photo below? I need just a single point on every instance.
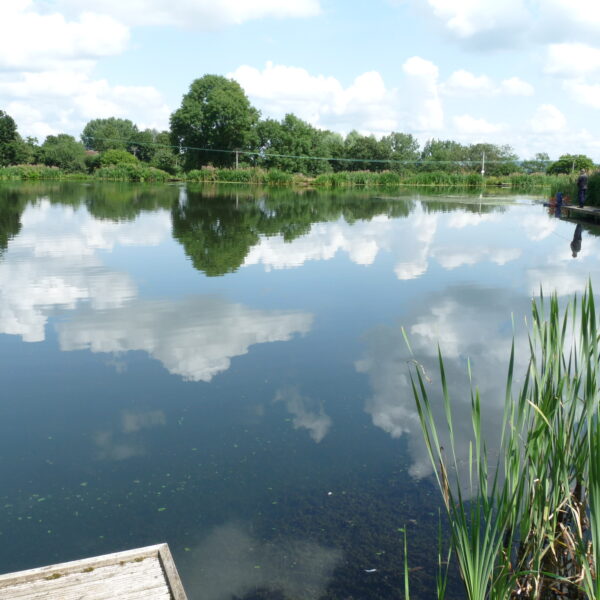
(224, 369)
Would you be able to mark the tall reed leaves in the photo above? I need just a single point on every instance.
(527, 523)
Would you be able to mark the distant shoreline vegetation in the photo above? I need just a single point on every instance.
(139, 172)
(216, 135)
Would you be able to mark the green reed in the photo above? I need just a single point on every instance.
(527, 524)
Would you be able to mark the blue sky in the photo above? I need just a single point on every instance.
(518, 72)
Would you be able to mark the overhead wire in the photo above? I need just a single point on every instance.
(266, 154)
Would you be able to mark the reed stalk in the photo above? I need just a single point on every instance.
(527, 523)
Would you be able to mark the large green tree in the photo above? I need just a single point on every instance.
(289, 144)
(8, 139)
(214, 119)
(63, 151)
(569, 163)
(109, 134)
(402, 149)
(443, 155)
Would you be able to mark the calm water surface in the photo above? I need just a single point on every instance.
(225, 370)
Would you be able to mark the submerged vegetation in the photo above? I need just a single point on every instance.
(526, 524)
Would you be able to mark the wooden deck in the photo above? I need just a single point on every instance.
(586, 212)
(142, 574)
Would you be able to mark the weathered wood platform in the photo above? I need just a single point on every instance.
(141, 574)
(587, 212)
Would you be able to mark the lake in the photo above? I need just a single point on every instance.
(224, 369)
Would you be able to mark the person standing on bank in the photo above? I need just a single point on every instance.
(582, 184)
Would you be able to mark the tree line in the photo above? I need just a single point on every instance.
(216, 125)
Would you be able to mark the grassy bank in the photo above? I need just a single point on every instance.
(274, 177)
(527, 523)
(569, 188)
(123, 172)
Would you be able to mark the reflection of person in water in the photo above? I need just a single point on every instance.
(576, 243)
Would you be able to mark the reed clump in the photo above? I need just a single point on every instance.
(568, 186)
(527, 524)
(251, 175)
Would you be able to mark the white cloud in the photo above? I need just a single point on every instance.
(32, 41)
(488, 24)
(194, 338)
(424, 110)
(467, 84)
(584, 93)
(64, 100)
(483, 23)
(548, 119)
(321, 100)
(464, 82)
(514, 86)
(466, 124)
(199, 14)
(572, 59)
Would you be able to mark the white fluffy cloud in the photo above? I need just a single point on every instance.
(425, 112)
(321, 100)
(466, 124)
(572, 59)
(584, 93)
(481, 22)
(514, 86)
(64, 100)
(199, 14)
(548, 119)
(465, 83)
(33, 41)
(486, 24)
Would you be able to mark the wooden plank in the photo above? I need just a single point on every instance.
(171, 573)
(144, 573)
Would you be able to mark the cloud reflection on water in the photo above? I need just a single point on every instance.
(121, 442)
(53, 264)
(469, 323)
(308, 414)
(195, 338)
(231, 562)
